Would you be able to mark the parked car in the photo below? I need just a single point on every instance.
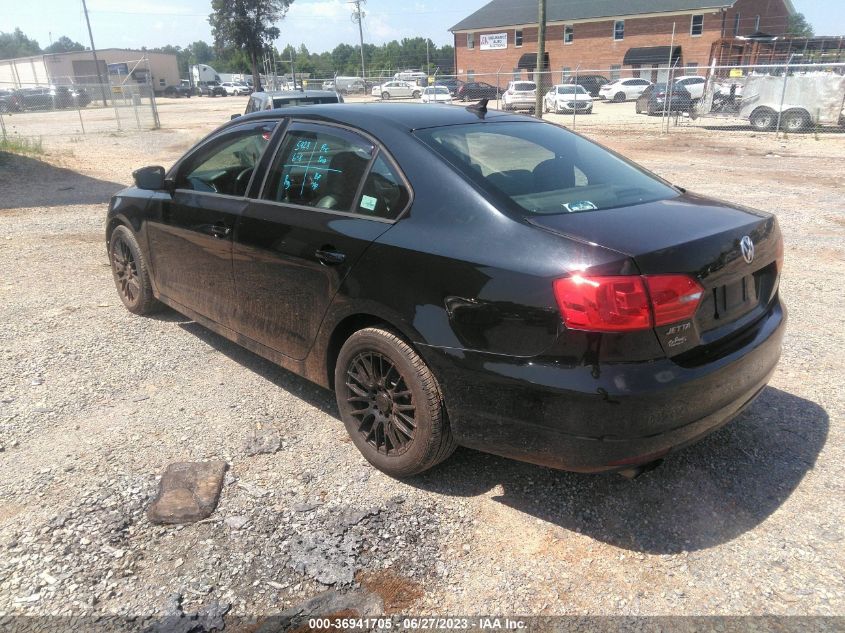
(184, 89)
(520, 95)
(351, 85)
(476, 90)
(623, 89)
(10, 101)
(233, 88)
(436, 94)
(656, 99)
(52, 97)
(570, 310)
(592, 83)
(210, 89)
(396, 90)
(693, 84)
(281, 98)
(452, 83)
(328, 85)
(567, 99)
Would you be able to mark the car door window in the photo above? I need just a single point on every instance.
(318, 166)
(385, 194)
(226, 165)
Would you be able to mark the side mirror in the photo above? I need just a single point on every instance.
(151, 178)
(234, 116)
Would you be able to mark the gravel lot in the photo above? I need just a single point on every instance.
(95, 403)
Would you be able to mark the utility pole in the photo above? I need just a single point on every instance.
(427, 60)
(358, 17)
(541, 58)
(94, 53)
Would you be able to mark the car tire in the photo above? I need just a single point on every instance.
(130, 272)
(377, 372)
(385, 96)
(619, 97)
(795, 121)
(763, 119)
(416, 94)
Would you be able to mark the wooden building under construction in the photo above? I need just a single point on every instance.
(760, 49)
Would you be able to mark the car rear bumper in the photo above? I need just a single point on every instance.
(601, 417)
(520, 103)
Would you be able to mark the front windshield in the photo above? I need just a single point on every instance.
(542, 168)
(570, 90)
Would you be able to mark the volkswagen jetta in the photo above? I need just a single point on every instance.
(462, 277)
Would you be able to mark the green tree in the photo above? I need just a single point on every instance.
(201, 52)
(248, 24)
(797, 26)
(64, 45)
(16, 44)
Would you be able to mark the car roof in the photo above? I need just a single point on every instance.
(370, 116)
(296, 93)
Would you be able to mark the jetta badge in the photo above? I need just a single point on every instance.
(747, 247)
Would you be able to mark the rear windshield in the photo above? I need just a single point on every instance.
(524, 85)
(544, 169)
(279, 102)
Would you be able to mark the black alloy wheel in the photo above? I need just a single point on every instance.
(130, 273)
(381, 402)
(391, 404)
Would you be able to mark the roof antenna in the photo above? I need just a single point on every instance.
(479, 109)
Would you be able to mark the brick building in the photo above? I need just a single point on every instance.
(617, 37)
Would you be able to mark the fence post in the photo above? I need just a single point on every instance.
(783, 94)
(79, 112)
(3, 127)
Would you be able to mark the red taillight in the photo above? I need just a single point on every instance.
(626, 303)
(673, 297)
(603, 304)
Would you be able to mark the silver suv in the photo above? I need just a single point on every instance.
(520, 95)
(280, 98)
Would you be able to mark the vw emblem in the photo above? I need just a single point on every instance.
(747, 247)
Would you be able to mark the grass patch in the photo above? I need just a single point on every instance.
(22, 145)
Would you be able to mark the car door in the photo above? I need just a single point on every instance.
(328, 194)
(190, 241)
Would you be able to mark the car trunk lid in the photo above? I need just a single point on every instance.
(698, 237)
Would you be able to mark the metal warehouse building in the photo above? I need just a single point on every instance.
(611, 35)
(118, 65)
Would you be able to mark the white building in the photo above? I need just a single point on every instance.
(118, 66)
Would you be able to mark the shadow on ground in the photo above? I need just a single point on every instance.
(705, 495)
(29, 182)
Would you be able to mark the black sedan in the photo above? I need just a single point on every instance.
(460, 276)
(476, 90)
(657, 99)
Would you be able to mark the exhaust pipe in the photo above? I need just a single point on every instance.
(635, 471)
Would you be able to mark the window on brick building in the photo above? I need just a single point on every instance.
(619, 30)
(517, 38)
(635, 72)
(470, 40)
(568, 34)
(615, 72)
(517, 73)
(565, 72)
(737, 22)
(470, 75)
(697, 25)
(692, 68)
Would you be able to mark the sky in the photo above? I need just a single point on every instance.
(319, 24)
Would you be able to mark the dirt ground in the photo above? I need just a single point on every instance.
(94, 403)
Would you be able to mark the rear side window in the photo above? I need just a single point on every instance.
(542, 169)
(318, 167)
(384, 194)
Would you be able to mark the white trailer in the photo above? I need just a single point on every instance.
(797, 102)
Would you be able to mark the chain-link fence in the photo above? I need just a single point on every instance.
(773, 98)
(78, 106)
